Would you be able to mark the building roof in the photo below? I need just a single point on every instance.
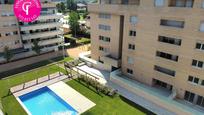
(81, 5)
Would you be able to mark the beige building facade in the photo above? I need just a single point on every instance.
(156, 42)
(20, 36)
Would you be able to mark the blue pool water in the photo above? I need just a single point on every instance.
(46, 102)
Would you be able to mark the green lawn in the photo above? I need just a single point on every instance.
(80, 40)
(10, 105)
(106, 105)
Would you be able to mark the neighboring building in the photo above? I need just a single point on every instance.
(81, 7)
(65, 24)
(155, 42)
(58, 1)
(19, 36)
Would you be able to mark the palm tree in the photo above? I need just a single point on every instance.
(36, 47)
(7, 54)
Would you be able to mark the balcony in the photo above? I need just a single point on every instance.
(48, 49)
(111, 60)
(49, 16)
(165, 71)
(170, 48)
(41, 34)
(164, 77)
(151, 98)
(172, 23)
(44, 42)
(40, 26)
(112, 8)
(50, 41)
(48, 5)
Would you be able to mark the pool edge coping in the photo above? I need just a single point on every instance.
(23, 106)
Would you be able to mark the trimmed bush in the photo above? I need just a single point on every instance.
(98, 87)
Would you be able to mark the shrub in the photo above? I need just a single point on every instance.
(99, 87)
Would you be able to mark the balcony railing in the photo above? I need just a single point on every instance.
(49, 16)
(116, 62)
(40, 26)
(124, 2)
(45, 42)
(112, 8)
(41, 34)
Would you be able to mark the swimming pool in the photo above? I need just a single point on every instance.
(45, 102)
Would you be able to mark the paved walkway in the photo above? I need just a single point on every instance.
(33, 85)
(74, 52)
(140, 100)
(102, 76)
(72, 97)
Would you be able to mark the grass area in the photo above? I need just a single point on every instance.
(106, 105)
(79, 40)
(84, 40)
(10, 104)
(81, 17)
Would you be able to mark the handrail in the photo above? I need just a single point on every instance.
(47, 78)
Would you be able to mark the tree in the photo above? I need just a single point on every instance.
(36, 47)
(7, 54)
(61, 7)
(73, 23)
(71, 5)
(85, 14)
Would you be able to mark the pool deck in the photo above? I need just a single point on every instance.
(32, 85)
(72, 97)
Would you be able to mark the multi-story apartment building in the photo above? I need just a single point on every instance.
(155, 42)
(19, 36)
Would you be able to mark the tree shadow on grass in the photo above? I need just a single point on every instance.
(136, 106)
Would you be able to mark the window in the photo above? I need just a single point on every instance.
(104, 16)
(130, 60)
(167, 56)
(202, 4)
(15, 32)
(165, 70)
(101, 48)
(200, 101)
(199, 46)
(104, 27)
(202, 83)
(172, 23)
(197, 63)
(7, 34)
(193, 79)
(189, 96)
(131, 46)
(159, 3)
(170, 40)
(129, 71)
(105, 39)
(181, 3)
(99, 59)
(133, 19)
(202, 26)
(125, 1)
(132, 33)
